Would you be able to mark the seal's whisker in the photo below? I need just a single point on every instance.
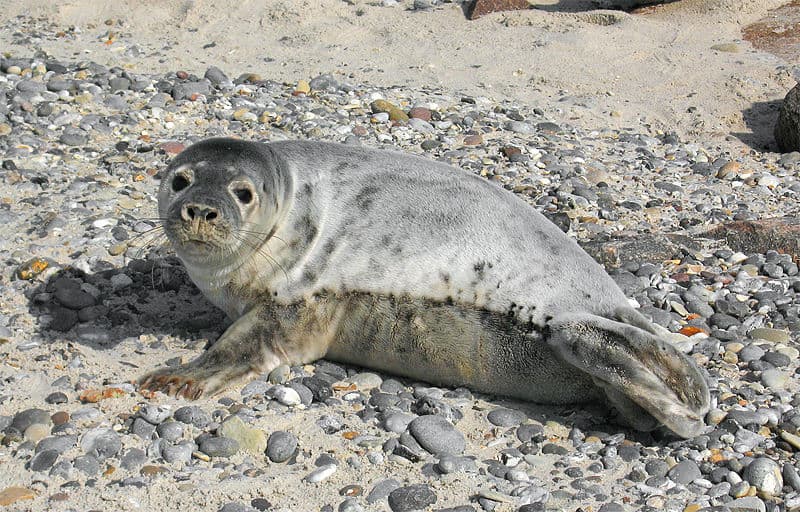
(262, 233)
(260, 250)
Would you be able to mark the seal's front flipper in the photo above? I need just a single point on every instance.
(242, 350)
(638, 369)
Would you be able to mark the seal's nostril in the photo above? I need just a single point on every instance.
(211, 215)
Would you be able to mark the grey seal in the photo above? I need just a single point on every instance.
(409, 266)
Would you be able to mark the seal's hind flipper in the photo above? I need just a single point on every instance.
(638, 369)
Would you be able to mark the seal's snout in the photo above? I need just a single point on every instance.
(194, 212)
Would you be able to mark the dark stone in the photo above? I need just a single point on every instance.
(411, 497)
(482, 7)
(787, 129)
(759, 236)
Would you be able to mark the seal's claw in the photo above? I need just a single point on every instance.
(174, 382)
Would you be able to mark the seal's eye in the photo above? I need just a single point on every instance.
(179, 183)
(244, 195)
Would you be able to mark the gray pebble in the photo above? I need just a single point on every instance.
(193, 415)
(279, 375)
(142, 428)
(101, 443)
(746, 504)
(350, 505)
(43, 460)
(58, 443)
(256, 387)
(765, 475)
(281, 445)
(506, 417)
(684, 472)
(133, 459)
(453, 464)
(397, 422)
(87, 465)
(790, 476)
(180, 452)
(24, 419)
(236, 507)
(170, 431)
(185, 90)
(656, 467)
(216, 76)
(381, 489)
(154, 414)
(219, 447)
(56, 397)
(411, 497)
(74, 137)
(437, 435)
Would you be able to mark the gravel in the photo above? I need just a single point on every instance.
(82, 146)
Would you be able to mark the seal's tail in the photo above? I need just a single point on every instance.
(647, 379)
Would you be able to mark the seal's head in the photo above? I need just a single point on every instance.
(220, 200)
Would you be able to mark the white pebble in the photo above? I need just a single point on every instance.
(286, 396)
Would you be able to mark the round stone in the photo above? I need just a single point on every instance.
(684, 472)
(437, 435)
(193, 415)
(281, 446)
(178, 453)
(321, 473)
(219, 447)
(398, 422)
(170, 431)
(43, 460)
(155, 414)
(56, 398)
(411, 497)
(506, 417)
(101, 443)
(765, 475)
(36, 432)
(250, 439)
(287, 396)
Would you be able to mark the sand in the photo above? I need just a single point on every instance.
(655, 70)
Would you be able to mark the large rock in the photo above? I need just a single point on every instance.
(780, 233)
(787, 129)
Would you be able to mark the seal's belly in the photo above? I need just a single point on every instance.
(453, 345)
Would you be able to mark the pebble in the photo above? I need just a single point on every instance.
(765, 475)
(250, 439)
(43, 460)
(380, 491)
(170, 431)
(281, 446)
(179, 453)
(13, 494)
(321, 473)
(506, 417)
(191, 414)
(684, 472)
(437, 435)
(286, 396)
(219, 447)
(411, 497)
(101, 443)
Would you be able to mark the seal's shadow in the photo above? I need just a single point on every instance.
(760, 119)
(147, 296)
